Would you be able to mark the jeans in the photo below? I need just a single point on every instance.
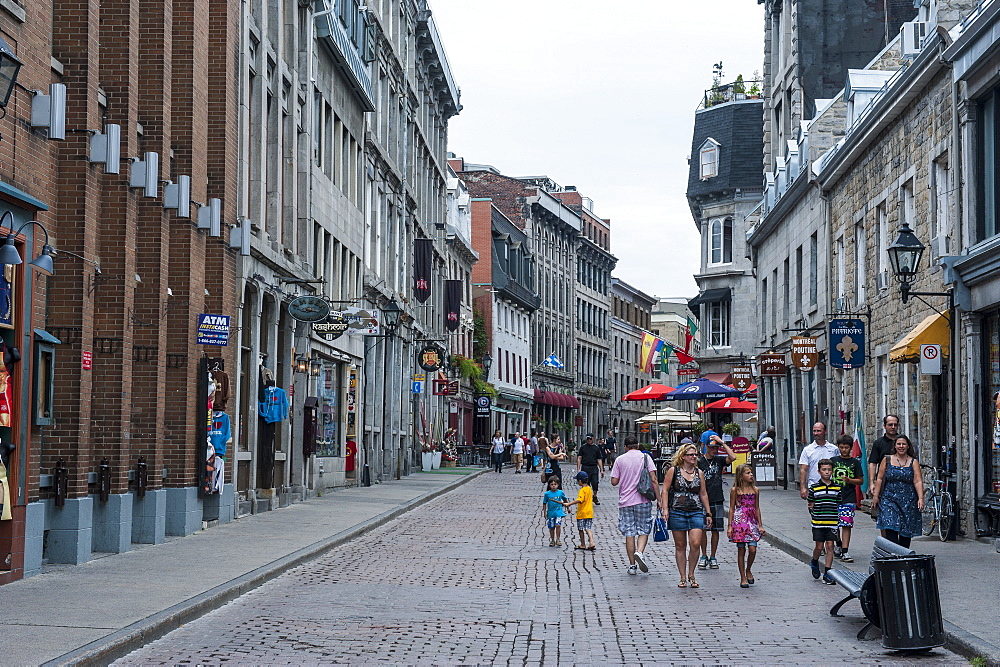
(498, 461)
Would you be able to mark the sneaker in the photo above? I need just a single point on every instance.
(703, 562)
(632, 569)
(837, 551)
(814, 565)
(640, 560)
(828, 581)
(846, 557)
(713, 564)
(596, 501)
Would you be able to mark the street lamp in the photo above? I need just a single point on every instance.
(9, 253)
(315, 367)
(301, 364)
(487, 365)
(391, 314)
(904, 258)
(9, 67)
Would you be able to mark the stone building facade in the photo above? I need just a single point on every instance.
(631, 315)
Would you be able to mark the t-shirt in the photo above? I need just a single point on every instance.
(713, 476)
(881, 448)
(825, 499)
(626, 469)
(498, 445)
(609, 444)
(589, 455)
(842, 469)
(813, 454)
(765, 444)
(553, 503)
(585, 496)
(220, 433)
(518, 446)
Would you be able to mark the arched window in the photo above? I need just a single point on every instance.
(721, 241)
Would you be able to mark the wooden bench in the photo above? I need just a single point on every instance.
(861, 586)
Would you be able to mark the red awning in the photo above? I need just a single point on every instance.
(721, 378)
(557, 399)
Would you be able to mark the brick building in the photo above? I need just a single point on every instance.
(108, 342)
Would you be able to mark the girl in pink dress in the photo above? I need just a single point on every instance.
(745, 525)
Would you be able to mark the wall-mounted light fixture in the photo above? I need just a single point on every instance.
(9, 67)
(210, 217)
(301, 364)
(239, 236)
(106, 148)
(178, 196)
(50, 110)
(391, 314)
(315, 367)
(144, 173)
(10, 255)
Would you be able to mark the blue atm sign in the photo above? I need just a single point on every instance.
(847, 343)
(213, 329)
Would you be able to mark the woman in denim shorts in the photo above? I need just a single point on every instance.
(685, 502)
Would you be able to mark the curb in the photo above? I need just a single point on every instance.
(120, 643)
(958, 640)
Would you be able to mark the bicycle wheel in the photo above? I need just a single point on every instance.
(929, 516)
(944, 523)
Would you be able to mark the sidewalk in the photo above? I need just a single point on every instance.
(107, 607)
(968, 571)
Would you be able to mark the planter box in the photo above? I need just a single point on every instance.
(436, 461)
(448, 464)
(426, 460)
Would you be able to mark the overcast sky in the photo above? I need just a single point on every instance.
(601, 96)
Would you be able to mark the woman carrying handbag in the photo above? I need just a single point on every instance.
(684, 506)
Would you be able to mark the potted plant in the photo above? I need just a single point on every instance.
(754, 91)
(435, 456)
(426, 456)
(730, 431)
(739, 88)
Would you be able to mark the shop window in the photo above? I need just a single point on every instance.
(718, 332)
(992, 358)
(44, 382)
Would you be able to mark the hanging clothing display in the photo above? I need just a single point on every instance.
(274, 407)
(5, 509)
(6, 397)
(220, 432)
(222, 389)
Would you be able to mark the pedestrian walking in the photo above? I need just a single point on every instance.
(848, 473)
(882, 447)
(496, 452)
(585, 513)
(746, 526)
(812, 454)
(684, 506)
(712, 464)
(553, 510)
(590, 459)
(555, 453)
(517, 452)
(635, 511)
(610, 448)
(824, 501)
(899, 493)
(540, 456)
(530, 450)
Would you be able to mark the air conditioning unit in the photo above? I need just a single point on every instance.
(883, 280)
(911, 38)
(941, 245)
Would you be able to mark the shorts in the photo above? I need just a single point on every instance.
(824, 534)
(845, 515)
(635, 519)
(584, 524)
(553, 521)
(682, 521)
(718, 517)
(746, 544)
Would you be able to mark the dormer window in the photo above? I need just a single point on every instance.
(708, 158)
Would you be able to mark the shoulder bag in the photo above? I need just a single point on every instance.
(645, 484)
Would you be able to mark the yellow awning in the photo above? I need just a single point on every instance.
(934, 330)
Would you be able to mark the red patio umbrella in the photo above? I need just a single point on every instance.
(653, 392)
(729, 405)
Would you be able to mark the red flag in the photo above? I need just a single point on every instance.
(683, 357)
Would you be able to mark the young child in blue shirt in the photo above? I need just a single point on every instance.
(554, 509)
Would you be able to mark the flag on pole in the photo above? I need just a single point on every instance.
(692, 329)
(858, 450)
(666, 349)
(646, 352)
(553, 362)
(682, 356)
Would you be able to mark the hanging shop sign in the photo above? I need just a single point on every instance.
(430, 358)
(483, 405)
(446, 387)
(332, 328)
(771, 365)
(309, 308)
(847, 343)
(742, 377)
(213, 329)
(805, 354)
(684, 372)
(363, 321)
(352, 408)
(86, 360)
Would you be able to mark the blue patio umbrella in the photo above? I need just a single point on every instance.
(701, 389)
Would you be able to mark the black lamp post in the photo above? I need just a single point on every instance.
(487, 365)
(391, 314)
(904, 258)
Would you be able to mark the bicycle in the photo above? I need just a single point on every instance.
(938, 505)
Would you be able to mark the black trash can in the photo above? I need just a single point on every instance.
(908, 602)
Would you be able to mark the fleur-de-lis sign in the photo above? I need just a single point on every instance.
(847, 347)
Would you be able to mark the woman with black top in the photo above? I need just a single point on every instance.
(684, 503)
(556, 452)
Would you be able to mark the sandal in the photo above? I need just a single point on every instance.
(592, 548)
(694, 583)
(683, 584)
(749, 578)
(579, 546)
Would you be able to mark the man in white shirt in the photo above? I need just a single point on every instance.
(517, 452)
(813, 453)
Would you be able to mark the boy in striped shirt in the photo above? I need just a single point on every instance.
(824, 505)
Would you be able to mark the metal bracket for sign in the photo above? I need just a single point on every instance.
(107, 344)
(176, 360)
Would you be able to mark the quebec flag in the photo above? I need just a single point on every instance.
(553, 361)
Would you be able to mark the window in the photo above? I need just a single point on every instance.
(860, 258)
(718, 324)
(882, 242)
(988, 177)
(813, 268)
(906, 212)
(722, 241)
(763, 307)
(708, 158)
(941, 204)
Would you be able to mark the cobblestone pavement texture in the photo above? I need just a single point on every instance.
(469, 579)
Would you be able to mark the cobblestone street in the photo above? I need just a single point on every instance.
(468, 578)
